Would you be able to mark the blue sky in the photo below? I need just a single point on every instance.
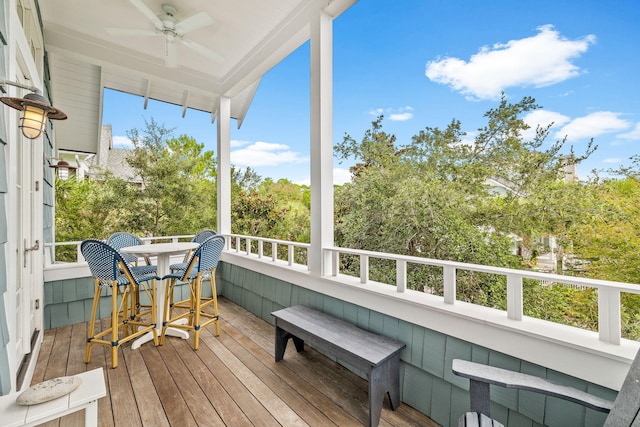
(422, 63)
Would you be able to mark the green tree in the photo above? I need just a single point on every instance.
(178, 191)
(431, 198)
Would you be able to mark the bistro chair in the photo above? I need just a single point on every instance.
(110, 270)
(201, 266)
(198, 238)
(123, 239)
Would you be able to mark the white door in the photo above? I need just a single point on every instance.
(28, 259)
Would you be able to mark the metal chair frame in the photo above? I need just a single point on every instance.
(202, 265)
(110, 270)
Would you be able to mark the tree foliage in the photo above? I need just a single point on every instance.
(431, 197)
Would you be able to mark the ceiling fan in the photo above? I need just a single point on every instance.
(171, 29)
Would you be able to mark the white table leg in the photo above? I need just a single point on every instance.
(163, 270)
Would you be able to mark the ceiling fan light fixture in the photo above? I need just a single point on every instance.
(171, 28)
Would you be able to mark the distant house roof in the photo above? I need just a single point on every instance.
(110, 159)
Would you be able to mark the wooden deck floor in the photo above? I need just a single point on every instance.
(231, 380)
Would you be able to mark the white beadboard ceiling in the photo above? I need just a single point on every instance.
(249, 36)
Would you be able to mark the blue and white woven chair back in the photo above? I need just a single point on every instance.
(209, 253)
(104, 261)
(204, 258)
(203, 235)
(122, 239)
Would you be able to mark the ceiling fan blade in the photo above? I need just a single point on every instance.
(131, 32)
(171, 55)
(148, 13)
(203, 50)
(199, 20)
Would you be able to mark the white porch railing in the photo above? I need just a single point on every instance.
(609, 320)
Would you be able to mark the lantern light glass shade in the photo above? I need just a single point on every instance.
(33, 121)
(35, 111)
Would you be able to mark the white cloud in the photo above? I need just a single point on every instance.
(634, 134)
(237, 143)
(542, 118)
(592, 125)
(401, 114)
(612, 160)
(400, 117)
(341, 176)
(122, 142)
(540, 60)
(266, 154)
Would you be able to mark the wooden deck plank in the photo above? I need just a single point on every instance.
(322, 372)
(43, 357)
(201, 365)
(172, 401)
(147, 399)
(57, 364)
(272, 402)
(99, 356)
(231, 380)
(241, 395)
(281, 371)
(194, 397)
(76, 365)
(287, 391)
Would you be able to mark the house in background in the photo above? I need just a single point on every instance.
(110, 159)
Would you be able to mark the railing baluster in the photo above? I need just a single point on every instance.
(336, 263)
(248, 245)
(238, 244)
(609, 315)
(401, 275)
(514, 297)
(260, 247)
(79, 254)
(274, 251)
(449, 284)
(364, 268)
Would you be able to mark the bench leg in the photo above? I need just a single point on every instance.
(384, 379)
(480, 398)
(282, 337)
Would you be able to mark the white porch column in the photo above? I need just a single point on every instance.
(321, 143)
(224, 165)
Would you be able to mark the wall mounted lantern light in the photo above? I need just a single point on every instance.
(63, 169)
(35, 110)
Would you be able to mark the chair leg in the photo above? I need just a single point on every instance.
(153, 312)
(197, 283)
(114, 325)
(168, 307)
(214, 296)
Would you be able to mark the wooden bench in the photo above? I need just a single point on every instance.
(374, 354)
(84, 397)
(624, 411)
